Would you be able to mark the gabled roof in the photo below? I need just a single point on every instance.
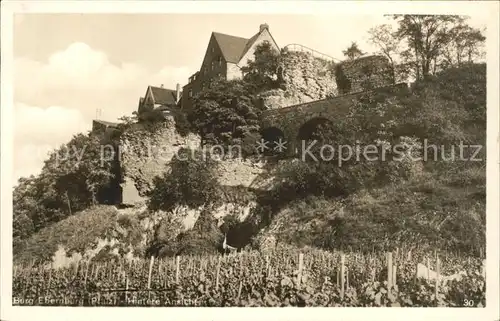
(232, 47)
(163, 96)
(249, 44)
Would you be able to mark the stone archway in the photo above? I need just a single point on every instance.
(311, 130)
(313, 136)
(275, 139)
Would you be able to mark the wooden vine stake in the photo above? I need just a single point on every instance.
(77, 265)
(301, 267)
(338, 276)
(342, 276)
(97, 268)
(217, 277)
(177, 266)
(239, 291)
(394, 274)
(151, 263)
(267, 265)
(126, 289)
(50, 274)
(436, 290)
(347, 278)
(86, 272)
(389, 271)
(428, 269)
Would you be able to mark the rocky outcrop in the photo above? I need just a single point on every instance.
(237, 171)
(304, 78)
(146, 152)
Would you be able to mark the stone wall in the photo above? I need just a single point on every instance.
(290, 119)
(363, 74)
(233, 71)
(146, 154)
(305, 78)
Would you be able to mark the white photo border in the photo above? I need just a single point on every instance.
(488, 9)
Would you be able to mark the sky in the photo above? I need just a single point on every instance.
(66, 66)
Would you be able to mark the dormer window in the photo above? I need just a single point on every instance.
(219, 60)
(190, 93)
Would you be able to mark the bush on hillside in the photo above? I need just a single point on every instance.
(421, 212)
(77, 233)
(205, 237)
(191, 181)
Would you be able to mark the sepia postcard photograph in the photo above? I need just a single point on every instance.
(160, 158)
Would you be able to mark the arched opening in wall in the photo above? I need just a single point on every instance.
(275, 141)
(313, 136)
(315, 129)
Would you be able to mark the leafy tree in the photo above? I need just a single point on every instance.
(84, 166)
(225, 114)
(353, 51)
(69, 182)
(191, 181)
(263, 70)
(465, 45)
(425, 36)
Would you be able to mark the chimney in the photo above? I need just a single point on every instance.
(263, 26)
(177, 93)
(161, 86)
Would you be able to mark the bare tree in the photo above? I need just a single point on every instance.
(388, 44)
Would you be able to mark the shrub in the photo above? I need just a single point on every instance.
(204, 238)
(77, 233)
(225, 114)
(191, 181)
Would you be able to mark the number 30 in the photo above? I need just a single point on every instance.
(468, 303)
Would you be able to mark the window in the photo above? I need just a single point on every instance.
(213, 49)
(190, 93)
(220, 60)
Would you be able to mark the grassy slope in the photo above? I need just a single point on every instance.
(76, 233)
(446, 214)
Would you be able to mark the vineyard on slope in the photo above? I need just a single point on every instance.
(283, 277)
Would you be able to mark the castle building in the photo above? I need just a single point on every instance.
(159, 98)
(224, 58)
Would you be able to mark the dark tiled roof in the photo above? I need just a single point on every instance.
(232, 47)
(164, 96)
